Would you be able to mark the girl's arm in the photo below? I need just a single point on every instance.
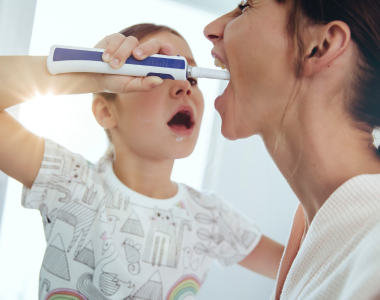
(23, 78)
(265, 258)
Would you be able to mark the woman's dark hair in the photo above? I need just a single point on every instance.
(139, 31)
(363, 18)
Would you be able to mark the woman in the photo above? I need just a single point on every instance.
(305, 76)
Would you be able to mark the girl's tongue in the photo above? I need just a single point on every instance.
(181, 122)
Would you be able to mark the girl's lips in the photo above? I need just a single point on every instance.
(182, 130)
(182, 127)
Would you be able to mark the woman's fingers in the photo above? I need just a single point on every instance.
(151, 47)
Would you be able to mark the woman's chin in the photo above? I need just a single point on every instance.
(228, 131)
(223, 106)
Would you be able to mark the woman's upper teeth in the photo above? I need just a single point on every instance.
(219, 64)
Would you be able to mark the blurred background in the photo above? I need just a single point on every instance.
(241, 171)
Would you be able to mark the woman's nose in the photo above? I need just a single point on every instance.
(180, 88)
(214, 31)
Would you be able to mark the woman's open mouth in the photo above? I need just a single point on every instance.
(182, 122)
(218, 63)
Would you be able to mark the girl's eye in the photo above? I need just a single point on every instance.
(192, 81)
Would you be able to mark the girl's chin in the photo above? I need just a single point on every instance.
(181, 149)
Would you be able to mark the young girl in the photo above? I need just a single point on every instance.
(121, 229)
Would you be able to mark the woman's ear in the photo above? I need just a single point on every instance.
(325, 43)
(101, 108)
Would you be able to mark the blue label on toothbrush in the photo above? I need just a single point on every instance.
(62, 54)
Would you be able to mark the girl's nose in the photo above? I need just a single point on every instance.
(180, 88)
(214, 31)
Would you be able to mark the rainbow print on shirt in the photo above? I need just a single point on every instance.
(188, 285)
(65, 294)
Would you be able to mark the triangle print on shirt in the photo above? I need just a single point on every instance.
(107, 242)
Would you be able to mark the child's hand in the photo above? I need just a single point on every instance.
(117, 49)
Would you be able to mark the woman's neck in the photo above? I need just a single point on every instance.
(317, 149)
(147, 176)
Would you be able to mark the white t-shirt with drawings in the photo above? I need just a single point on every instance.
(105, 241)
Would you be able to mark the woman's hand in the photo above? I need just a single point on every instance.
(117, 49)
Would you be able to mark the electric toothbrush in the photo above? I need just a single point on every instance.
(65, 59)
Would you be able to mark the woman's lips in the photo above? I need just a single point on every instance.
(220, 99)
(219, 60)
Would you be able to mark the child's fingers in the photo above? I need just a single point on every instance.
(114, 42)
(167, 49)
(121, 84)
(124, 51)
(151, 47)
(142, 84)
(102, 44)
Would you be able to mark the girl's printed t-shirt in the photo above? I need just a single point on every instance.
(105, 241)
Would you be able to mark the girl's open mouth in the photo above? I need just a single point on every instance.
(182, 122)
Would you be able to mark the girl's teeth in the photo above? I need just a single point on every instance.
(219, 64)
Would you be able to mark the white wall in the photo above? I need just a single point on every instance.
(3, 189)
(16, 24)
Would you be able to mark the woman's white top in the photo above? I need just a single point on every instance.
(340, 256)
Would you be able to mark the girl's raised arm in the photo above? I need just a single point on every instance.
(24, 77)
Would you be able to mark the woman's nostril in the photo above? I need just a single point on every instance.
(179, 92)
(212, 37)
(188, 92)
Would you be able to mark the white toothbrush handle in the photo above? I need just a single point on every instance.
(65, 59)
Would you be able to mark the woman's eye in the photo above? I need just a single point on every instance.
(243, 5)
(192, 81)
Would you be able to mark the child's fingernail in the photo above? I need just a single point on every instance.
(156, 81)
(138, 52)
(106, 56)
(115, 62)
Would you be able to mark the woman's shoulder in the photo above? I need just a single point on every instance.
(370, 241)
(365, 271)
